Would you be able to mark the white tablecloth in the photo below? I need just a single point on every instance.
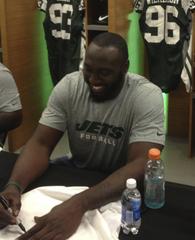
(102, 224)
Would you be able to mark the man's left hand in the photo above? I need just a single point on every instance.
(59, 224)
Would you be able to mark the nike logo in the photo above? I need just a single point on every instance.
(159, 133)
(101, 18)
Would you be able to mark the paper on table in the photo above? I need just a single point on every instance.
(96, 225)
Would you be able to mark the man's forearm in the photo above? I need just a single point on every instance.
(32, 162)
(111, 188)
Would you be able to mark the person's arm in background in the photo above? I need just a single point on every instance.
(10, 104)
(10, 120)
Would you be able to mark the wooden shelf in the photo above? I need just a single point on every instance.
(94, 27)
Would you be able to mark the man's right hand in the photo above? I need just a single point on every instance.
(13, 197)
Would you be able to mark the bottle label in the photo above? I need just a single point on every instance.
(131, 212)
(135, 205)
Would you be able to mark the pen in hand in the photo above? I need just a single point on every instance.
(5, 204)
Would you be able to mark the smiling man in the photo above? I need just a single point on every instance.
(105, 81)
(112, 119)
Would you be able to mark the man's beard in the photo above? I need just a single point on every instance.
(111, 91)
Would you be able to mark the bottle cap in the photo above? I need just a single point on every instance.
(131, 183)
(154, 154)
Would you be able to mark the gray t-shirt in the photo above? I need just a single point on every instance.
(9, 95)
(99, 132)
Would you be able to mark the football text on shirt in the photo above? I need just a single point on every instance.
(100, 132)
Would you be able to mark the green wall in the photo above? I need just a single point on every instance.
(44, 74)
(135, 45)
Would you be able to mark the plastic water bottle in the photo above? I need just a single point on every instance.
(154, 181)
(131, 204)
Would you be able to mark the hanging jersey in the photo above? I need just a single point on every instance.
(165, 26)
(63, 26)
